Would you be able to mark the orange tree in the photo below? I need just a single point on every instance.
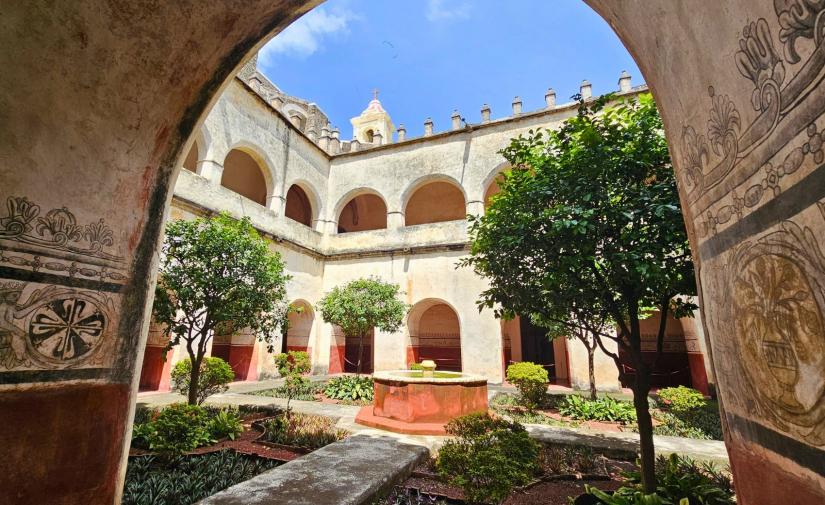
(217, 272)
(588, 227)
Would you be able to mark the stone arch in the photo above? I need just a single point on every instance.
(434, 330)
(490, 187)
(192, 157)
(361, 209)
(301, 323)
(301, 204)
(247, 172)
(434, 199)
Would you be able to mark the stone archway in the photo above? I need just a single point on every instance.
(100, 99)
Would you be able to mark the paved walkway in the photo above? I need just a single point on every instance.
(616, 442)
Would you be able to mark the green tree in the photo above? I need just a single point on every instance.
(361, 305)
(217, 272)
(589, 216)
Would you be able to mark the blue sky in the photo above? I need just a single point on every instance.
(428, 57)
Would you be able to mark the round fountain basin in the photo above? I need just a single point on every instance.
(406, 401)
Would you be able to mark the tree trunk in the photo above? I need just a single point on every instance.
(194, 377)
(591, 369)
(360, 353)
(641, 388)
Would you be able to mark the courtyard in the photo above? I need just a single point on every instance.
(566, 253)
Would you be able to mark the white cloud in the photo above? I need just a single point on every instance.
(443, 10)
(305, 36)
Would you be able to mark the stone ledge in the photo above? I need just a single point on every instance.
(351, 472)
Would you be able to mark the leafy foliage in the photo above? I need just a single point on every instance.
(306, 392)
(680, 480)
(225, 423)
(293, 366)
(187, 479)
(602, 409)
(214, 377)
(588, 222)
(362, 305)
(488, 458)
(571, 459)
(686, 413)
(217, 273)
(531, 381)
(409, 496)
(177, 429)
(303, 430)
(349, 387)
(628, 496)
(681, 399)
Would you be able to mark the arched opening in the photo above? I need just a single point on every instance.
(369, 135)
(244, 175)
(492, 190)
(435, 333)
(298, 206)
(435, 202)
(343, 355)
(524, 341)
(301, 320)
(191, 161)
(364, 212)
(236, 347)
(155, 372)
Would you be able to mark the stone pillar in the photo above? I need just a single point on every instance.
(456, 120)
(475, 207)
(550, 98)
(428, 127)
(377, 139)
(323, 142)
(355, 145)
(335, 141)
(395, 219)
(624, 82)
(402, 133)
(212, 170)
(485, 113)
(516, 106)
(586, 90)
(312, 134)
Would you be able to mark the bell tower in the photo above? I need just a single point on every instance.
(373, 125)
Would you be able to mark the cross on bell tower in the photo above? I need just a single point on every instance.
(373, 125)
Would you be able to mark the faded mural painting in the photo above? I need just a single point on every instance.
(57, 299)
(753, 186)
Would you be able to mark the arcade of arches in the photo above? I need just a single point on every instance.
(298, 208)
(100, 99)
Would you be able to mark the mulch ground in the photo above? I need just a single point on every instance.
(245, 444)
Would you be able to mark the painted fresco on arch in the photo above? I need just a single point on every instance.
(60, 283)
(754, 181)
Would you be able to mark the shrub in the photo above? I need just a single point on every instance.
(350, 387)
(628, 496)
(488, 458)
(531, 381)
(681, 399)
(225, 423)
(303, 430)
(305, 392)
(602, 409)
(679, 480)
(571, 459)
(189, 479)
(179, 428)
(214, 377)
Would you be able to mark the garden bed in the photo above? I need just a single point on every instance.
(564, 472)
(343, 390)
